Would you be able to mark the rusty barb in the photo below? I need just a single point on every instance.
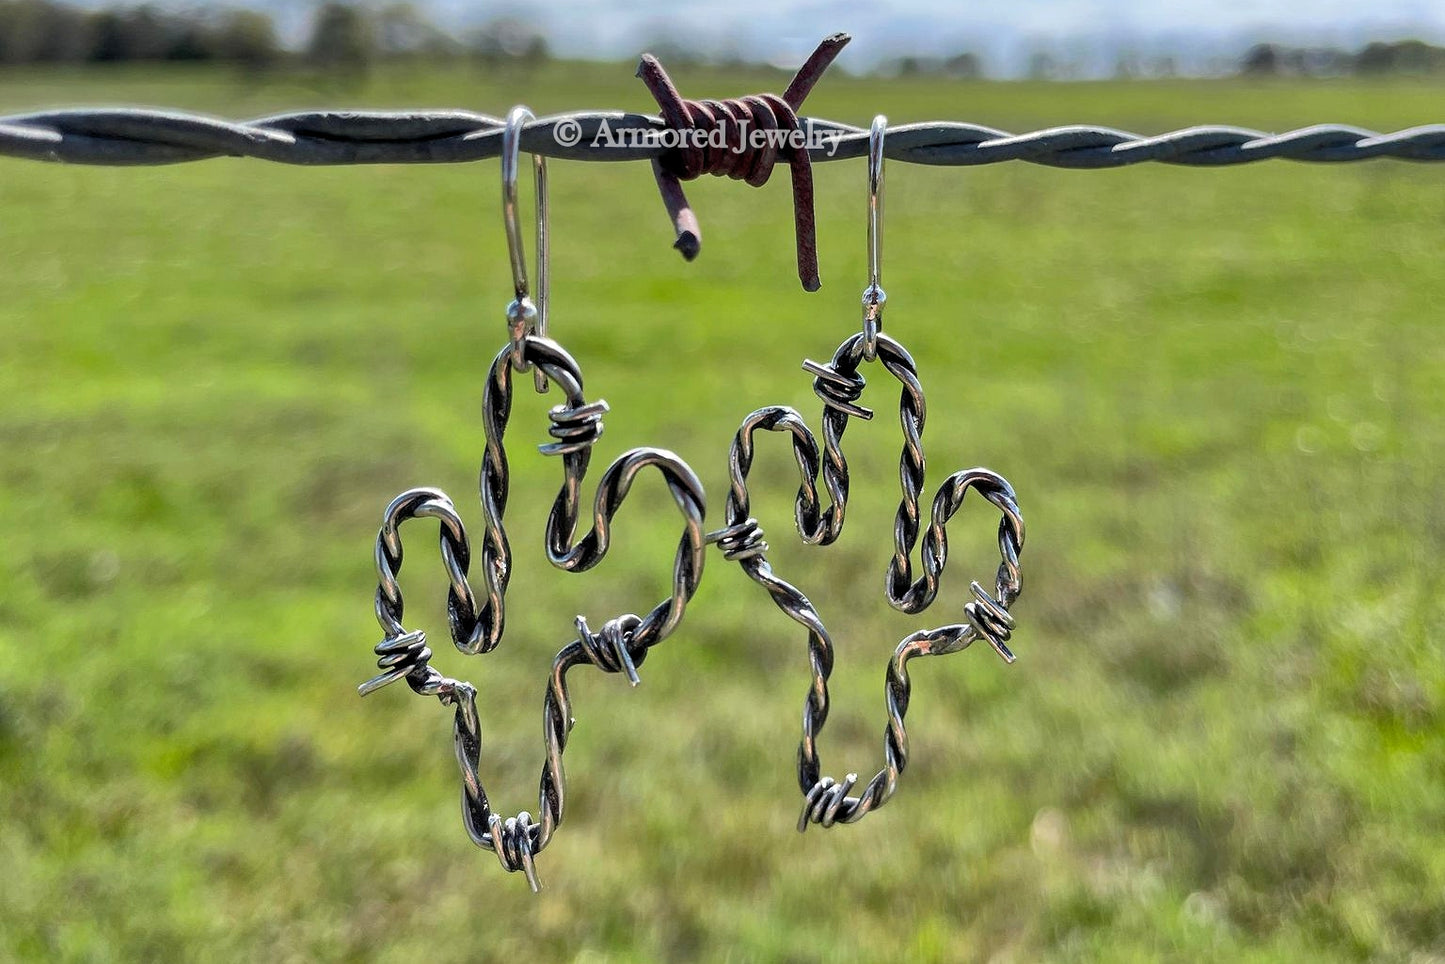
(732, 138)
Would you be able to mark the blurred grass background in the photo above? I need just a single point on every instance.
(1219, 394)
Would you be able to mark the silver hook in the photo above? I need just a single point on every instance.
(873, 296)
(523, 316)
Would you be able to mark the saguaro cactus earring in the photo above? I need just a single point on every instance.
(839, 385)
(622, 642)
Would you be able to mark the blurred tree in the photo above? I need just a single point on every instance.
(346, 37)
(131, 33)
(107, 37)
(1043, 66)
(964, 66)
(1376, 58)
(248, 38)
(190, 39)
(1403, 57)
(342, 39)
(38, 31)
(1261, 60)
(46, 31)
(403, 31)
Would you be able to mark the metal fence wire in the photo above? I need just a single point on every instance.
(119, 136)
(123, 136)
(740, 137)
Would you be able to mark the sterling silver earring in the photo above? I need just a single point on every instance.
(839, 385)
(620, 644)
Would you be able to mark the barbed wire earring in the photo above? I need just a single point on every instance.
(620, 644)
(839, 385)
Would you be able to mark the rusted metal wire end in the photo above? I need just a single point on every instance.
(731, 137)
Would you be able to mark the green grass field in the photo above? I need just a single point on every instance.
(1220, 395)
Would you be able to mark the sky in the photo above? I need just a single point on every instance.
(611, 27)
(1004, 32)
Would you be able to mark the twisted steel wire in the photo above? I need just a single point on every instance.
(839, 385)
(126, 136)
(619, 646)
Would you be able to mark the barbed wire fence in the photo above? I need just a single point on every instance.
(689, 138)
(131, 137)
(126, 137)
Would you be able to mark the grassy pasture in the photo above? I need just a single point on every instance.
(1220, 395)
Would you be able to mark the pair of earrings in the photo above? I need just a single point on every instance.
(620, 645)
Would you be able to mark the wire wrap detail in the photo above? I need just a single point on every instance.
(731, 138)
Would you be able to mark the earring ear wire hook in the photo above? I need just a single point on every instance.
(524, 315)
(873, 295)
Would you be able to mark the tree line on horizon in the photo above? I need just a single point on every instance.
(349, 37)
(341, 36)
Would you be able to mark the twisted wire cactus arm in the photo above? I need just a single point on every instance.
(828, 801)
(577, 425)
(125, 136)
(629, 636)
(618, 646)
(811, 521)
(839, 385)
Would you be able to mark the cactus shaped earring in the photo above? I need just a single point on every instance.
(621, 643)
(839, 385)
